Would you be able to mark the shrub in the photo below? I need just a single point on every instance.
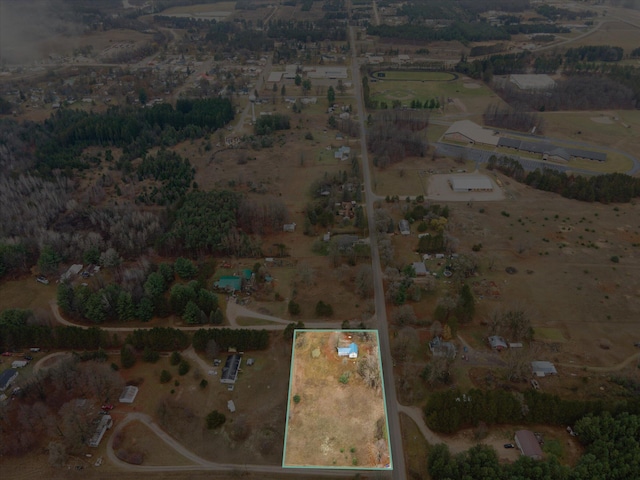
(175, 358)
(127, 356)
(150, 356)
(203, 384)
(615, 259)
(294, 308)
(215, 419)
(183, 368)
(344, 378)
(323, 309)
(165, 376)
(296, 399)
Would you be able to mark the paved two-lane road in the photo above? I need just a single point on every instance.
(395, 435)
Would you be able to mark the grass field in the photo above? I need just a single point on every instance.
(404, 75)
(334, 419)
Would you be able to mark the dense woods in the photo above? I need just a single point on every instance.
(206, 222)
(39, 164)
(606, 188)
(462, 32)
(58, 405)
(500, 116)
(396, 134)
(612, 450)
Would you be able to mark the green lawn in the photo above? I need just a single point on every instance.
(404, 75)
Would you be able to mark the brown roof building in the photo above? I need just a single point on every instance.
(528, 444)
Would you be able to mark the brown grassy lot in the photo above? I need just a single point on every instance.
(613, 33)
(582, 305)
(318, 436)
(138, 438)
(416, 448)
(253, 434)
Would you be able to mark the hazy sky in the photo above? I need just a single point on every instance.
(25, 26)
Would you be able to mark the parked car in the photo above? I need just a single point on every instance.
(535, 384)
(7, 354)
(28, 357)
(107, 407)
(42, 279)
(637, 344)
(571, 432)
(509, 445)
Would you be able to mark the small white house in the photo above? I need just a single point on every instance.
(289, 227)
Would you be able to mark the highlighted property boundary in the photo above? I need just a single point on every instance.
(365, 415)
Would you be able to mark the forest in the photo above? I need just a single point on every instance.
(606, 188)
(458, 9)
(457, 31)
(396, 134)
(612, 450)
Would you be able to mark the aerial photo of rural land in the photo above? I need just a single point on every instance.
(310, 239)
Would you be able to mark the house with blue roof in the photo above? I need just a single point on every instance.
(350, 351)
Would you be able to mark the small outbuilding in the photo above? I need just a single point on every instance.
(231, 406)
(420, 269)
(542, 369)
(403, 226)
(19, 364)
(497, 343)
(528, 444)
(128, 395)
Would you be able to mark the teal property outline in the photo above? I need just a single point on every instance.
(384, 402)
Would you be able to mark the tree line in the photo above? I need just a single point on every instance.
(457, 9)
(605, 188)
(241, 339)
(17, 331)
(457, 31)
(497, 115)
(451, 410)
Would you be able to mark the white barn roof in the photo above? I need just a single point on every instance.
(470, 183)
(473, 132)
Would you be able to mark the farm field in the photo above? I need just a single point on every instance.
(321, 384)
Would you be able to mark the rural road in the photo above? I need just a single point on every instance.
(233, 312)
(393, 417)
(200, 463)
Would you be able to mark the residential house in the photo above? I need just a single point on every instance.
(404, 227)
(440, 348)
(528, 444)
(543, 368)
(231, 369)
(350, 351)
(7, 377)
(497, 343)
(420, 269)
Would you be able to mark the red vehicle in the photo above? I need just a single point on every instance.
(7, 354)
(107, 407)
